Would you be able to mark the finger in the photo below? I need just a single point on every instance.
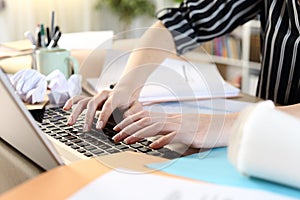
(120, 136)
(132, 129)
(130, 119)
(68, 105)
(135, 108)
(106, 111)
(92, 107)
(80, 106)
(164, 140)
(152, 130)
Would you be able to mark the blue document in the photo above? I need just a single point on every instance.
(214, 167)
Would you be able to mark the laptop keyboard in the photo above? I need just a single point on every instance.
(96, 142)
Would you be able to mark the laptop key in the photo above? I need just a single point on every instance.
(76, 140)
(144, 149)
(69, 143)
(63, 140)
(104, 146)
(81, 150)
(112, 150)
(136, 145)
(75, 147)
(70, 137)
(89, 147)
(88, 154)
(121, 147)
(97, 151)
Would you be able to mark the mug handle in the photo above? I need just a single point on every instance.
(75, 64)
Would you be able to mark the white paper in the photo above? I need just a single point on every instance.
(212, 106)
(173, 80)
(178, 80)
(30, 85)
(121, 184)
(86, 40)
(61, 88)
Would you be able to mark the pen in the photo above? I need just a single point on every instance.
(43, 44)
(52, 24)
(38, 42)
(184, 73)
(48, 36)
(54, 40)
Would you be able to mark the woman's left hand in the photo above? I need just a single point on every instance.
(194, 130)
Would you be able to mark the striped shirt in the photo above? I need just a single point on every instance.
(197, 21)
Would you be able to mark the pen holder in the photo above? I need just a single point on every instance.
(48, 60)
(265, 144)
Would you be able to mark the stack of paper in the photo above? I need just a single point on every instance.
(176, 80)
(173, 80)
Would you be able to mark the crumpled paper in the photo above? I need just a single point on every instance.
(62, 89)
(30, 85)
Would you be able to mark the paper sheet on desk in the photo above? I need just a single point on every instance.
(86, 40)
(174, 80)
(133, 185)
(214, 167)
(212, 106)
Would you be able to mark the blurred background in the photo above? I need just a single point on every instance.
(18, 16)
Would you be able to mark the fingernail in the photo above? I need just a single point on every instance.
(70, 120)
(153, 144)
(116, 128)
(99, 125)
(128, 140)
(116, 138)
(85, 128)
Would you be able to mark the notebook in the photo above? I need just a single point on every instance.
(51, 142)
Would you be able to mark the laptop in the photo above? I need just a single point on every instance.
(50, 142)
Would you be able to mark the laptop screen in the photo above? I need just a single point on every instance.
(19, 129)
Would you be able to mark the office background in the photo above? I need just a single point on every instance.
(18, 16)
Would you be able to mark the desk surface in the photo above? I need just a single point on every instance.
(21, 169)
(63, 181)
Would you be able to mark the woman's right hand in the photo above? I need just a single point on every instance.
(106, 101)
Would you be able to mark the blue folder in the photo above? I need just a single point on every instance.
(213, 166)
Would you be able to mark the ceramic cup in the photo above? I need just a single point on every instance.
(48, 60)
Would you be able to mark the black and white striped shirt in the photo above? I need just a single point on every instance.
(197, 21)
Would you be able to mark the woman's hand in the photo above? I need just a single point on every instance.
(195, 130)
(106, 101)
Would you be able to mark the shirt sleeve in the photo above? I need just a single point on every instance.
(196, 21)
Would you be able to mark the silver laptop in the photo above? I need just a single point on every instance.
(20, 130)
(52, 143)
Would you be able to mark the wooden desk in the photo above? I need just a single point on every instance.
(63, 181)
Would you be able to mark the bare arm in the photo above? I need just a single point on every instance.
(293, 110)
(154, 46)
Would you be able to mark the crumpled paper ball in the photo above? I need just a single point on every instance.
(62, 89)
(30, 85)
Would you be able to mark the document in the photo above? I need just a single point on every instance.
(211, 106)
(86, 40)
(173, 80)
(122, 184)
(176, 80)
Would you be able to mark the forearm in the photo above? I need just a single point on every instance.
(154, 46)
(224, 130)
(293, 110)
